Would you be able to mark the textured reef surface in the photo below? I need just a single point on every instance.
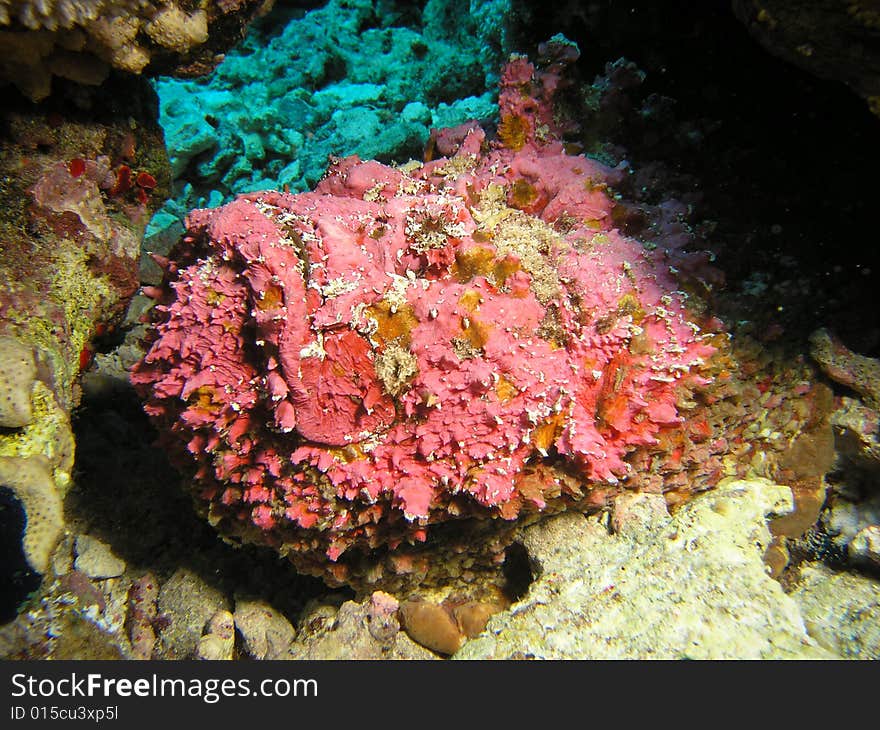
(496, 399)
(469, 337)
(85, 40)
(345, 78)
(76, 193)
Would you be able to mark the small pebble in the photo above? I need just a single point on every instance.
(96, 559)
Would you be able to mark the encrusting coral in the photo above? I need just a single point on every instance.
(349, 368)
(75, 195)
(17, 374)
(82, 40)
(30, 479)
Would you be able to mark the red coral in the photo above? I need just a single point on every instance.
(145, 180)
(126, 181)
(122, 183)
(76, 167)
(348, 367)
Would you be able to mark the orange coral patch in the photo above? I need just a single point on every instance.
(272, 298)
(505, 389)
(392, 325)
(481, 261)
(545, 435)
(522, 194)
(475, 333)
(475, 261)
(513, 131)
(471, 300)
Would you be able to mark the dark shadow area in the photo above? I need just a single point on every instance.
(519, 571)
(17, 579)
(129, 496)
(782, 164)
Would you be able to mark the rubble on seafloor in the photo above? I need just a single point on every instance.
(636, 582)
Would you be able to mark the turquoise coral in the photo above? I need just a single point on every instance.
(348, 78)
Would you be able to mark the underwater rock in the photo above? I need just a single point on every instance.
(690, 585)
(218, 641)
(846, 367)
(350, 632)
(78, 637)
(85, 592)
(841, 610)
(77, 190)
(864, 548)
(96, 559)
(472, 616)
(190, 603)
(464, 340)
(143, 616)
(852, 516)
(359, 77)
(72, 616)
(265, 632)
(432, 626)
(857, 433)
(382, 616)
(827, 38)
(83, 41)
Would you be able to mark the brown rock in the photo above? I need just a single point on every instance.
(828, 38)
(809, 496)
(432, 626)
(473, 616)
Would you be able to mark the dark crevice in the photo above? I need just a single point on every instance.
(519, 570)
(17, 580)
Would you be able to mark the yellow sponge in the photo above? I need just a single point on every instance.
(30, 479)
(17, 374)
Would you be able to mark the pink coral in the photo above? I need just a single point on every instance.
(351, 366)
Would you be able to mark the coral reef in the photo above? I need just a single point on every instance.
(753, 407)
(79, 182)
(358, 77)
(83, 40)
(410, 346)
